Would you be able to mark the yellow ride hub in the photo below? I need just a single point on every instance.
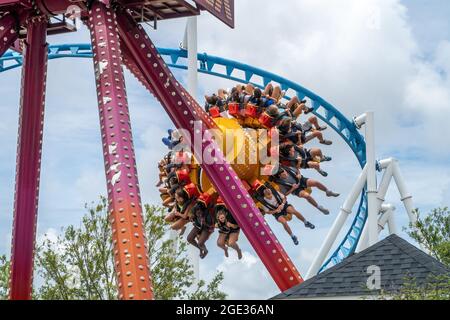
(240, 147)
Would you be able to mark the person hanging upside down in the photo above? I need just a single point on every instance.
(162, 173)
(276, 204)
(297, 107)
(228, 230)
(294, 156)
(168, 193)
(260, 101)
(203, 222)
(174, 139)
(292, 182)
(179, 216)
(301, 134)
(294, 107)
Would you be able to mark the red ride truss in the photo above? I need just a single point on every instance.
(118, 40)
(29, 149)
(8, 32)
(130, 245)
(185, 112)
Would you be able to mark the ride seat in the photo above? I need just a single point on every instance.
(251, 111)
(206, 199)
(215, 112)
(234, 109)
(183, 176)
(192, 191)
(266, 120)
(182, 158)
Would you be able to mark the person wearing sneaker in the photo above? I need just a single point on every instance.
(228, 230)
(295, 156)
(292, 182)
(300, 134)
(276, 204)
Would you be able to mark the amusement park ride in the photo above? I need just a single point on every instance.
(118, 39)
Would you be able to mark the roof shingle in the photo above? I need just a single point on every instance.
(397, 259)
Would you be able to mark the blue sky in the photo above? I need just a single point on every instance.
(389, 56)
(429, 21)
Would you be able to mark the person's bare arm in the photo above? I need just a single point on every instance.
(231, 225)
(179, 214)
(185, 214)
(271, 212)
(294, 187)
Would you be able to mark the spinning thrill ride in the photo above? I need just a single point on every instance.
(118, 39)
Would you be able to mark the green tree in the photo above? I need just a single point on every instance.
(433, 233)
(79, 265)
(4, 276)
(436, 288)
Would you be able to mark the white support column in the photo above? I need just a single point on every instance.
(192, 47)
(191, 42)
(384, 185)
(184, 43)
(385, 217)
(346, 210)
(368, 119)
(388, 218)
(380, 196)
(392, 225)
(406, 197)
(363, 242)
(376, 197)
(371, 180)
(385, 214)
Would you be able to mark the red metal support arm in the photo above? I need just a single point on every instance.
(8, 32)
(185, 112)
(130, 245)
(29, 149)
(130, 64)
(133, 67)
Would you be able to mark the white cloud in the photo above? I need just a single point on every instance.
(358, 55)
(427, 192)
(50, 236)
(243, 279)
(90, 185)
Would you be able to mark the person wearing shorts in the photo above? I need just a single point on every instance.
(292, 182)
(295, 156)
(276, 204)
(203, 228)
(228, 231)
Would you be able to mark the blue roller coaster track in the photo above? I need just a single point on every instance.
(239, 72)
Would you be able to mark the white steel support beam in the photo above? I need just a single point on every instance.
(192, 47)
(386, 216)
(371, 179)
(346, 210)
(191, 42)
(406, 197)
(380, 196)
(376, 197)
(392, 225)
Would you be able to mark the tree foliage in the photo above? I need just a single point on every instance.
(436, 288)
(4, 276)
(79, 264)
(433, 234)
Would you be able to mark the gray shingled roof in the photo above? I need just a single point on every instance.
(397, 259)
